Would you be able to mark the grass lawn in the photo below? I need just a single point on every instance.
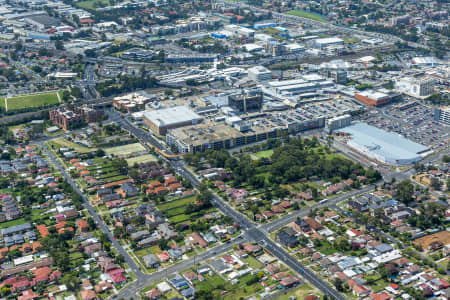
(155, 249)
(301, 292)
(172, 294)
(176, 203)
(326, 248)
(75, 255)
(34, 100)
(351, 41)
(141, 159)
(262, 154)
(64, 143)
(271, 30)
(142, 252)
(253, 262)
(214, 280)
(203, 286)
(115, 178)
(175, 211)
(375, 282)
(307, 15)
(242, 289)
(125, 149)
(12, 223)
(90, 4)
(179, 218)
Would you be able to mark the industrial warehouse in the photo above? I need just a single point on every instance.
(383, 146)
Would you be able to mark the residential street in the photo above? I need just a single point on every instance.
(251, 231)
(129, 261)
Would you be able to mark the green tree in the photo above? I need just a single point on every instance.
(120, 165)
(339, 284)
(71, 281)
(404, 191)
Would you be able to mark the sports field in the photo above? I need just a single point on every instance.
(92, 4)
(141, 159)
(125, 150)
(307, 15)
(29, 101)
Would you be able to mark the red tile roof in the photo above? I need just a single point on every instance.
(43, 231)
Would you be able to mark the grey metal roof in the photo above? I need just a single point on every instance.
(384, 144)
(16, 228)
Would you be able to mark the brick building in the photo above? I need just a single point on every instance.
(67, 119)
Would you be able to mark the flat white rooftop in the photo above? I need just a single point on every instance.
(172, 116)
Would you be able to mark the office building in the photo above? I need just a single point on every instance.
(339, 76)
(338, 122)
(248, 100)
(442, 115)
(416, 87)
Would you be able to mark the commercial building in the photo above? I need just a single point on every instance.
(327, 42)
(442, 115)
(252, 47)
(400, 20)
(416, 87)
(249, 100)
(296, 121)
(218, 136)
(294, 48)
(309, 83)
(424, 61)
(132, 102)
(259, 73)
(42, 21)
(169, 118)
(339, 76)
(373, 98)
(240, 31)
(386, 147)
(138, 54)
(193, 58)
(263, 25)
(338, 122)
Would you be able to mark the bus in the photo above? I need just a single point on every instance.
(323, 201)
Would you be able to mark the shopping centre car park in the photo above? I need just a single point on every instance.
(415, 123)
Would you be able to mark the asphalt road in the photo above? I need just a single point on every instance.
(130, 262)
(281, 222)
(133, 289)
(254, 234)
(250, 230)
